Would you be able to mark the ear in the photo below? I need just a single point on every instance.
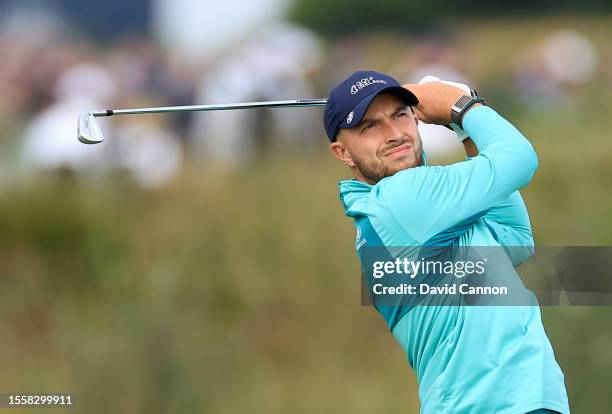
(339, 150)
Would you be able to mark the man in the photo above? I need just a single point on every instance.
(468, 359)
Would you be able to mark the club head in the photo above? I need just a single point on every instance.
(88, 131)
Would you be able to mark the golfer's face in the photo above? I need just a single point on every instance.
(385, 141)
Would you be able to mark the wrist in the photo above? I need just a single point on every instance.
(462, 106)
(476, 105)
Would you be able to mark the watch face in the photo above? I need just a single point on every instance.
(461, 103)
(459, 107)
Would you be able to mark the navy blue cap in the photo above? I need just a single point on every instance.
(349, 101)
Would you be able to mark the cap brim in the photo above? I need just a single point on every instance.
(361, 108)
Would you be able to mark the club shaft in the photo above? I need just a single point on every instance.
(219, 107)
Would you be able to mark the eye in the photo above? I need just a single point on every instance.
(367, 126)
(401, 114)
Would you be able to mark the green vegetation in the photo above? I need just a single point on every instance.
(342, 17)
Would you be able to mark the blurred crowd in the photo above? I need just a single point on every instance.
(49, 76)
(48, 79)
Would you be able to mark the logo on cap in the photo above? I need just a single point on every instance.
(349, 101)
(365, 82)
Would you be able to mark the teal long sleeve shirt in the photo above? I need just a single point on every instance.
(468, 359)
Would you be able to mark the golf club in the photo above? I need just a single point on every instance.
(88, 131)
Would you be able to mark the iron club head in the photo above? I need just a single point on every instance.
(88, 130)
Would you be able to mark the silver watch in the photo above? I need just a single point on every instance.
(464, 103)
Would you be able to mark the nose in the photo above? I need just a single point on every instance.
(392, 133)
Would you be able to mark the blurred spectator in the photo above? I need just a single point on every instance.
(272, 65)
(545, 70)
(150, 152)
(435, 54)
(145, 71)
(50, 138)
(570, 57)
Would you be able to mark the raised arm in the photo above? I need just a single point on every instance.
(430, 200)
(508, 221)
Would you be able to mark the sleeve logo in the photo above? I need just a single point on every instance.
(359, 242)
